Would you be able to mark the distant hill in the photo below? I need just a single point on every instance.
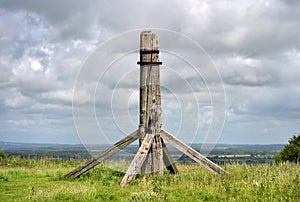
(222, 153)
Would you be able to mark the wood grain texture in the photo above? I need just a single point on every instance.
(105, 154)
(190, 152)
(138, 160)
(150, 102)
(168, 161)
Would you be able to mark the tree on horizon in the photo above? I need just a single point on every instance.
(291, 151)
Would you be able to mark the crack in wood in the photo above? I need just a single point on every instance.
(152, 153)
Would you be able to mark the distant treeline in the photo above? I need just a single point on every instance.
(36, 154)
(222, 154)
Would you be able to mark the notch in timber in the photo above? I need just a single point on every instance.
(142, 52)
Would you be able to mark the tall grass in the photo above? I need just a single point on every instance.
(44, 162)
(43, 180)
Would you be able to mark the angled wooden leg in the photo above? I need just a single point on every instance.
(202, 160)
(168, 159)
(157, 156)
(154, 160)
(105, 154)
(138, 160)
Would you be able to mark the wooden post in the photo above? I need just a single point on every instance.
(153, 151)
(150, 101)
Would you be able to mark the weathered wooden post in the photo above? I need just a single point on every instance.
(150, 101)
(152, 152)
(150, 155)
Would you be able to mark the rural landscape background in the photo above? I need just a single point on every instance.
(222, 153)
(36, 172)
(230, 83)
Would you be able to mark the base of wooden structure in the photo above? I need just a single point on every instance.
(152, 152)
(143, 152)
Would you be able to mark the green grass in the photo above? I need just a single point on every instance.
(43, 180)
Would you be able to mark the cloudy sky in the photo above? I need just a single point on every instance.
(47, 48)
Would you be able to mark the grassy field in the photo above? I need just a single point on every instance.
(43, 180)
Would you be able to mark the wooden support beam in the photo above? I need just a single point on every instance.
(105, 154)
(138, 160)
(152, 153)
(170, 164)
(193, 154)
(150, 101)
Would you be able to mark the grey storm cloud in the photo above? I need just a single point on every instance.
(254, 45)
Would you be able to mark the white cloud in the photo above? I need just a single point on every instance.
(255, 45)
(58, 96)
(21, 122)
(16, 100)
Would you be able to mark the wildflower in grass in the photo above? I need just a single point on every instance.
(255, 183)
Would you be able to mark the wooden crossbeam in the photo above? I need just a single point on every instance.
(138, 160)
(152, 153)
(190, 152)
(105, 154)
(168, 161)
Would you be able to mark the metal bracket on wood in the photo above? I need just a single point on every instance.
(142, 52)
(153, 152)
(149, 63)
(148, 51)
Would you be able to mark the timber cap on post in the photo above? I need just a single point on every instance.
(144, 47)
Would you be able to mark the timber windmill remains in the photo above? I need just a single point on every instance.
(152, 153)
